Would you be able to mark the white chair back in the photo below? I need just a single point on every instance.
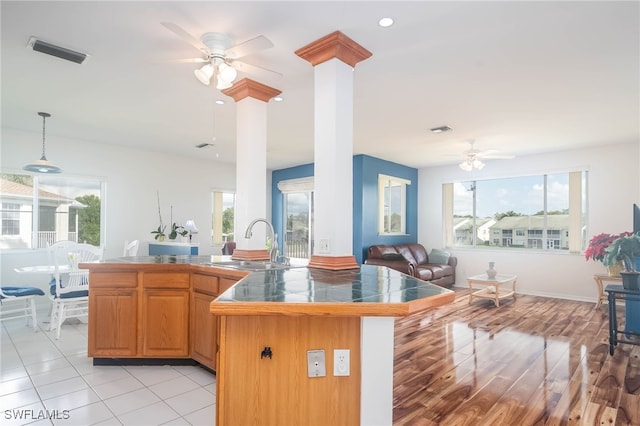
(131, 248)
(77, 280)
(70, 299)
(65, 257)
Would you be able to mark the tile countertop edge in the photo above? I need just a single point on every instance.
(344, 309)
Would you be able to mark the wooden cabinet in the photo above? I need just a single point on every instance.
(165, 315)
(113, 308)
(155, 311)
(137, 313)
(204, 325)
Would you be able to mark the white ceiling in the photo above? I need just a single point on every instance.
(518, 77)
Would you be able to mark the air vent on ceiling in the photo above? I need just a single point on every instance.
(203, 145)
(57, 51)
(441, 129)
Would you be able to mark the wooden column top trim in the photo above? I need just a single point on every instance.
(334, 45)
(246, 88)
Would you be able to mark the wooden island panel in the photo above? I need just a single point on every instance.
(255, 390)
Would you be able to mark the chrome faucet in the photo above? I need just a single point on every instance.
(273, 253)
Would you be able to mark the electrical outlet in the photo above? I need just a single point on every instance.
(341, 360)
(323, 246)
(316, 366)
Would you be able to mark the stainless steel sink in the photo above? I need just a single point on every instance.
(250, 265)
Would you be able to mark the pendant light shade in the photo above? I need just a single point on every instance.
(43, 165)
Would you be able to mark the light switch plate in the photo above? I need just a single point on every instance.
(316, 365)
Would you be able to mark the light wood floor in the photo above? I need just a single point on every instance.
(532, 361)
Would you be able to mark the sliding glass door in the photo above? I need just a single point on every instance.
(298, 219)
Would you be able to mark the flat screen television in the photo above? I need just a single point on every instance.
(636, 218)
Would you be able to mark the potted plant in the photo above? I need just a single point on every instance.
(177, 230)
(625, 249)
(597, 250)
(160, 235)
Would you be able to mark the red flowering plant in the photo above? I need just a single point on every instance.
(598, 244)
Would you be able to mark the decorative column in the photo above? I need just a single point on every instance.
(251, 100)
(334, 58)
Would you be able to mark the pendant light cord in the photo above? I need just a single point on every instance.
(44, 116)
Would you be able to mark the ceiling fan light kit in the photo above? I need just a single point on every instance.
(43, 165)
(204, 74)
(470, 164)
(221, 57)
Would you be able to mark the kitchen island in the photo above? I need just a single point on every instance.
(269, 333)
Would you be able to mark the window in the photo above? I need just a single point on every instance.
(38, 211)
(222, 220)
(298, 216)
(10, 219)
(529, 212)
(392, 196)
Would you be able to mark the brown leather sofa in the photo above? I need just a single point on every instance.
(413, 259)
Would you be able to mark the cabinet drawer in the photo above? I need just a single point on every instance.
(165, 280)
(205, 284)
(113, 279)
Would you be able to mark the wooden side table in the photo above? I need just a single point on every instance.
(492, 288)
(600, 279)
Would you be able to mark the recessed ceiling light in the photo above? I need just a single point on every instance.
(219, 102)
(385, 22)
(441, 129)
(278, 99)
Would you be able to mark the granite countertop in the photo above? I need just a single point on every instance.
(297, 290)
(368, 290)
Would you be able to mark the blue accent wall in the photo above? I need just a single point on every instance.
(365, 201)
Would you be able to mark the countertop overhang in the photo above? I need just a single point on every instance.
(364, 291)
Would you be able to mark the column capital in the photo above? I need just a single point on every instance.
(247, 88)
(334, 45)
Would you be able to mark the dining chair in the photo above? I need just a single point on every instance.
(19, 302)
(70, 285)
(131, 248)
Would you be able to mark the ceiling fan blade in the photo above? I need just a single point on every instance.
(186, 61)
(177, 30)
(250, 46)
(255, 70)
(496, 156)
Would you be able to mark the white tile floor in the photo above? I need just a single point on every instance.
(44, 381)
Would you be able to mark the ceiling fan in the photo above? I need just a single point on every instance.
(221, 57)
(473, 157)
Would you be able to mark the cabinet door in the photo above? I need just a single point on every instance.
(165, 323)
(112, 322)
(204, 330)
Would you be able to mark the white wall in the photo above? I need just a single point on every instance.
(613, 188)
(133, 176)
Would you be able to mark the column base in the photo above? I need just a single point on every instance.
(240, 254)
(333, 263)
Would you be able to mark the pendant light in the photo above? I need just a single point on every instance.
(43, 165)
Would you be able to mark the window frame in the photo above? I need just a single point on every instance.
(577, 217)
(387, 182)
(69, 187)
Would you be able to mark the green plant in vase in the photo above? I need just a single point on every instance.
(177, 230)
(625, 249)
(159, 233)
